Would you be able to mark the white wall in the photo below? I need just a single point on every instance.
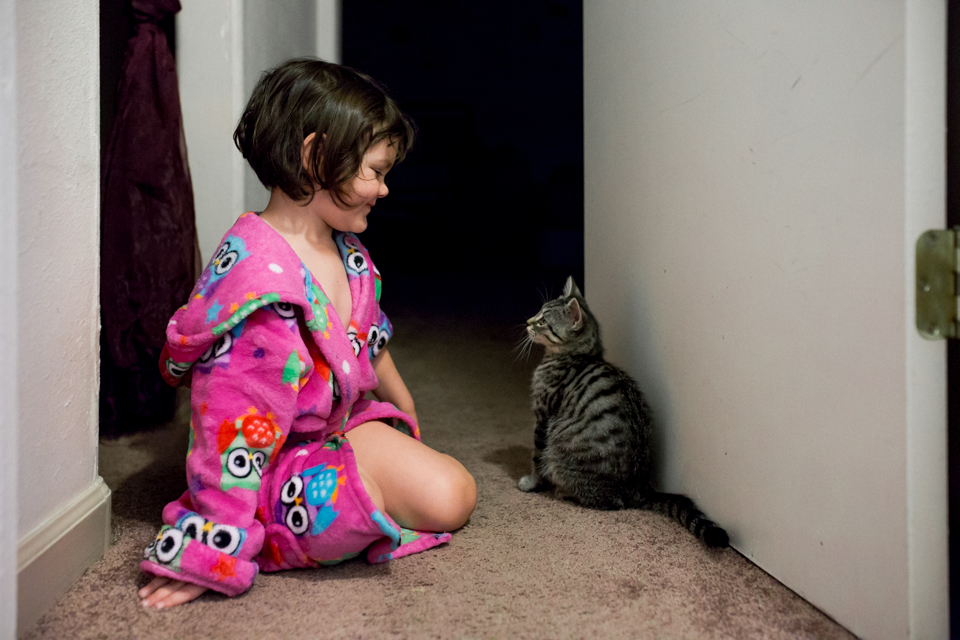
(209, 70)
(223, 46)
(273, 32)
(8, 320)
(756, 175)
(57, 94)
(59, 190)
(329, 23)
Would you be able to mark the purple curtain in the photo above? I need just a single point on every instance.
(148, 253)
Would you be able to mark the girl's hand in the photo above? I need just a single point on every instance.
(164, 592)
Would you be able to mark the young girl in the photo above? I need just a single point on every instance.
(289, 465)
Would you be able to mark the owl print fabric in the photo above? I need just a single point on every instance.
(276, 379)
(321, 514)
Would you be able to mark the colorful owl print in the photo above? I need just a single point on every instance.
(231, 252)
(287, 311)
(307, 500)
(296, 372)
(246, 446)
(378, 337)
(378, 288)
(168, 547)
(356, 339)
(177, 370)
(218, 355)
(353, 258)
(318, 303)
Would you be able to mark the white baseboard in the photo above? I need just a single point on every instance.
(55, 554)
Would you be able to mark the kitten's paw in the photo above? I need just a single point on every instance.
(527, 483)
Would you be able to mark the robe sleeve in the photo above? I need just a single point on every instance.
(379, 335)
(381, 330)
(243, 402)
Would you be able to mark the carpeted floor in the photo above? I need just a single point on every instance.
(525, 566)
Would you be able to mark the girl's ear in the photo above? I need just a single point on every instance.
(575, 313)
(306, 153)
(570, 289)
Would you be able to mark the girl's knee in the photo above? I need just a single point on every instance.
(455, 498)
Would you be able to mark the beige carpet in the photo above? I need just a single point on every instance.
(525, 566)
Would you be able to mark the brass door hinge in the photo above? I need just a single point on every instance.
(937, 284)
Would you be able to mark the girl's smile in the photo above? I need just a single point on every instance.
(362, 192)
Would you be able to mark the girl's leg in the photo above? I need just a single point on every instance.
(421, 488)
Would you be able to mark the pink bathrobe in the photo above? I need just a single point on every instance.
(276, 380)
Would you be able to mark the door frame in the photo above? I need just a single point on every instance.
(953, 347)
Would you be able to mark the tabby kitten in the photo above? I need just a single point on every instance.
(593, 434)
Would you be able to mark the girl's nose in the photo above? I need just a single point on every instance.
(384, 190)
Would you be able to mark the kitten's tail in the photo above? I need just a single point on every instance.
(682, 509)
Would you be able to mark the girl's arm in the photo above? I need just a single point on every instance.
(390, 387)
(243, 400)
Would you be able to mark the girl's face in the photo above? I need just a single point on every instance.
(361, 193)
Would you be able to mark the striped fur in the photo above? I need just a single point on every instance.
(593, 438)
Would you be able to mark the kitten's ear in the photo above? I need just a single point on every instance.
(570, 289)
(575, 312)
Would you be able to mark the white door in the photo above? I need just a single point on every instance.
(757, 174)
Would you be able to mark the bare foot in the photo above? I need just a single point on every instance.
(164, 592)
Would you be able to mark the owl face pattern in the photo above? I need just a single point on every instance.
(307, 500)
(287, 311)
(218, 355)
(353, 258)
(167, 548)
(177, 370)
(377, 338)
(357, 340)
(246, 446)
(231, 252)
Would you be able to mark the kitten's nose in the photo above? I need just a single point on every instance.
(531, 320)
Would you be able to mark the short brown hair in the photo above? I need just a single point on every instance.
(347, 110)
